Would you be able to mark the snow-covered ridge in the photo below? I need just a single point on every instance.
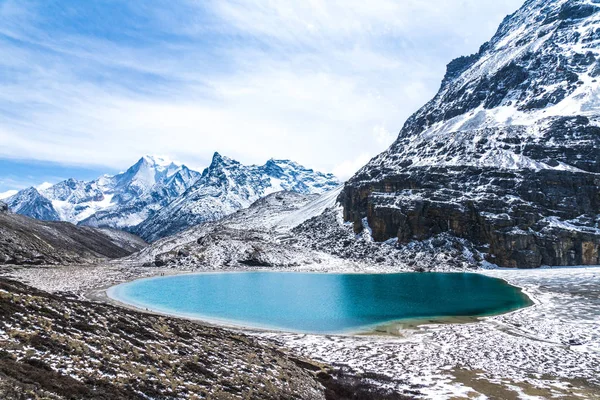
(227, 186)
(514, 130)
(542, 65)
(542, 62)
(114, 201)
(157, 196)
(148, 184)
(8, 194)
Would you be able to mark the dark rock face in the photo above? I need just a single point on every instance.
(577, 11)
(521, 219)
(507, 155)
(27, 241)
(3, 207)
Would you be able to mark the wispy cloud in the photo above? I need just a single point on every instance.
(325, 83)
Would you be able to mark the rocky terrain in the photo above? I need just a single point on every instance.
(250, 237)
(289, 230)
(506, 154)
(54, 347)
(27, 241)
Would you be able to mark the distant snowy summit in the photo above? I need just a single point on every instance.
(119, 201)
(507, 154)
(156, 197)
(227, 186)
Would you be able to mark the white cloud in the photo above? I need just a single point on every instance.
(325, 83)
(346, 169)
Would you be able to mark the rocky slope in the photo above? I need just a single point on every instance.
(506, 155)
(88, 350)
(227, 186)
(55, 347)
(248, 238)
(25, 240)
(288, 230)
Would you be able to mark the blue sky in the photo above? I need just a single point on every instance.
(87, 87)
(19, 174)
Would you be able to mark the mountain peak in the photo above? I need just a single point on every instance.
(227, 186)
(30, 202)
(30, 191)
(516, 123)
(156, 185)
(219, 159)
(158, 161)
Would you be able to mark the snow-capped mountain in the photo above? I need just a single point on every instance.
(120, 201)
(8, 194)
(156, 197)
(227, 186)
(147, 186)
(507, 153)
(31, 203)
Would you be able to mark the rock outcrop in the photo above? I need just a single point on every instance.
(507, 155)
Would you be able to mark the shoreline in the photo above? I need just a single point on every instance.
(539, 348)
(392, 329)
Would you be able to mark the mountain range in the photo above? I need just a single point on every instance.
(227, 186)
(503, 163)
(156, 197)
(506, 155)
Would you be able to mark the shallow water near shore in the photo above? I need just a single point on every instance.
(321, 303)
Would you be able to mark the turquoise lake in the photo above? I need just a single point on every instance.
(321, 303)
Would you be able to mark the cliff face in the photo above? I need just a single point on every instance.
(507, 155)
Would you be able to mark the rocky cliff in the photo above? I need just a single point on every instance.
(507, 154)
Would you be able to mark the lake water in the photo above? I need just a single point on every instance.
(321, 303)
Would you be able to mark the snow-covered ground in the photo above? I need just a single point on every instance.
(549, 349)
